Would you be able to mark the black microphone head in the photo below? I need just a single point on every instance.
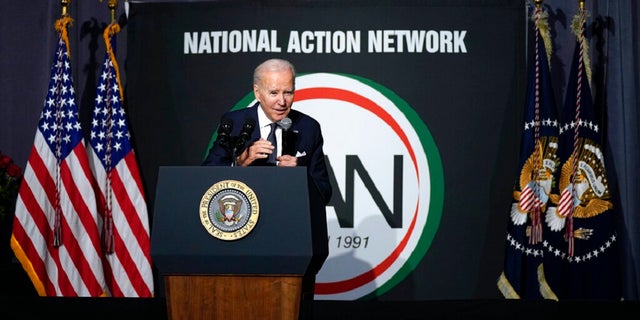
(226, 126)
(245, 133)
(285, 124)
(249, 124)
(224, 131)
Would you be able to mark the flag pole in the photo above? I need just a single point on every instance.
(535, 233)
(61, 27)
(579, 31)
(113, 4)
(108, 226)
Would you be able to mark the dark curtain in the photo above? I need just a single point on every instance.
(27, 40)
(622, 127)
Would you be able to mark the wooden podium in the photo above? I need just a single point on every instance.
(233, 296)
(258, 276)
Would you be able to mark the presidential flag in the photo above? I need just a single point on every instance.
(523, 266)
(56, 234)
(121, 199)
(581, 252)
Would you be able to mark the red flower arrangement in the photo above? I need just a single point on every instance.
(10, 178)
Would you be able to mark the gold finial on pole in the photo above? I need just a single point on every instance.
(581, 2)
(113, 4)
(65, 4)
(538, 3)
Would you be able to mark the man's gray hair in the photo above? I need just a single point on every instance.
(272, 65)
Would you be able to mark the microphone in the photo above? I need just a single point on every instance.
(285, 124)
(287, 144)
(245, 134)
(224, 132)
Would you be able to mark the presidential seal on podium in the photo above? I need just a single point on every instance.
(229, 210)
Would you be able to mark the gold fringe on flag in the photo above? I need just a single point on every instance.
(542, 24)
(577, 28)
(545, 289)
(506, 288)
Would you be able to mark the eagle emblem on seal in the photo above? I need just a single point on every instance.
(230, 212)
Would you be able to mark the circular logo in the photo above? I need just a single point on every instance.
(389, 185)
(229, 210)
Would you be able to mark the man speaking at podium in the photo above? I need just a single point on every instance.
(270, 133)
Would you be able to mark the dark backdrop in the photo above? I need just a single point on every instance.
(470, 102)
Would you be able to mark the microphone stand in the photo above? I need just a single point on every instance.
(237, 149)
(232, 146)
(234, 154)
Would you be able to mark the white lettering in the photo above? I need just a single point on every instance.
(431, 41)
(446, 44)
(319, 37)
(190, 42)
(307, 42)
(235, 41)
(294, 42)
(205, 44)
(215, 37)
(324, 42)
(225, 40)
(458, 41)
(249, 41)
(274, 42)
(339, 42)
(263, 41)
(231, 41)
(388, 40)
(415, 41)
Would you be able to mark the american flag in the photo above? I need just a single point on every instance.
(55, 230)
(121, 200)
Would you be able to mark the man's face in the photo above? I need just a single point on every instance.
(275, 94)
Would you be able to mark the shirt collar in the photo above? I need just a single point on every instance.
(263, 121)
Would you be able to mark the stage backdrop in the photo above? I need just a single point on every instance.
(420, 105)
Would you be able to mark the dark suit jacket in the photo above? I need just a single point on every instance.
(305, 140)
